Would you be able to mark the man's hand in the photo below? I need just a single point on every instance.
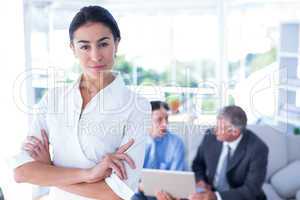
(208, 195)
(164, 196)
(141, 187)
(111, 162)
(204, 185)
(37, 149)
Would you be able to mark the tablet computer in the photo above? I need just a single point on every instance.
(177, 183)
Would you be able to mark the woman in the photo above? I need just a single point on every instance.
(96, 126)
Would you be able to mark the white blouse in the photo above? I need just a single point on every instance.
(110, 119)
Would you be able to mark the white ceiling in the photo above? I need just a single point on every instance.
(154, 7)
(65, 9)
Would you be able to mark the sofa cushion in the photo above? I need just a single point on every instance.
(293, 148)
(270, 192)
(277, 143)
(195, 137)
(287, 180)
(191, 135)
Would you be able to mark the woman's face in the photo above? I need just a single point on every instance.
(95, 48)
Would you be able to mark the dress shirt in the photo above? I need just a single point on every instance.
(233, 145)
(165, 153)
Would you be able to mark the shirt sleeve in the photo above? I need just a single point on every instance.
(38, 123)
(138, 126)
(218, 196)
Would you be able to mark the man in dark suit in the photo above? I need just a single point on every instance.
(231, 162)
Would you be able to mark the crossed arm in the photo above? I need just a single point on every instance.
(85, 182)
(67, 179)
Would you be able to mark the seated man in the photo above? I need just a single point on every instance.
(231, 162)
(164, 150)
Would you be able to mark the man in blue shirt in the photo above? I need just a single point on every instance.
(164, 150)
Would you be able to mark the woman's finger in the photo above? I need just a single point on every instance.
(28, 146)
(116, 169)
(37, 150)
(32, 154)
(126, 146)
(45, 139)
(35, 140)
(127, 158)
(32, 148)
(40, 146)
(108, 173)
(121, 166)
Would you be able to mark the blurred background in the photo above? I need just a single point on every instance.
(198, 55)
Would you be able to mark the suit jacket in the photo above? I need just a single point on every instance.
(246, 170)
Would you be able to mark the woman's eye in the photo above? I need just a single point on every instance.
(85, 47)
(104, 44)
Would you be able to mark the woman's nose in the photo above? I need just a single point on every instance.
(96, 55)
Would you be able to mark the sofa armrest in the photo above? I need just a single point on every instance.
(270, 192)
(287, 180)
(298, 195)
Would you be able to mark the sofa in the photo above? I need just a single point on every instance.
(283, 171)
(283, 174)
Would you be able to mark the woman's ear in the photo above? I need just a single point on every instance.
(117, 41)
(73, 48)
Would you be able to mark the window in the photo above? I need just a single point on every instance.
(253, 47)
(184, 48)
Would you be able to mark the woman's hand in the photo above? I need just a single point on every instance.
(37, 149)
(112, 162)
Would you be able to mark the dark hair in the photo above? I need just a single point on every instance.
(94, 14)
(156, 105)
(236, 116)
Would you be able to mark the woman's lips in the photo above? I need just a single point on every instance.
(97, 67)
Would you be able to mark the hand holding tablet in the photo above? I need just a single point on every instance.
(179, 184)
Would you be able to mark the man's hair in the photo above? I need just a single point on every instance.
(236, 116)
(156, 105)
(94, 14)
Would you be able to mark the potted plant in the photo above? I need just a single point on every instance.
(297, 131)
